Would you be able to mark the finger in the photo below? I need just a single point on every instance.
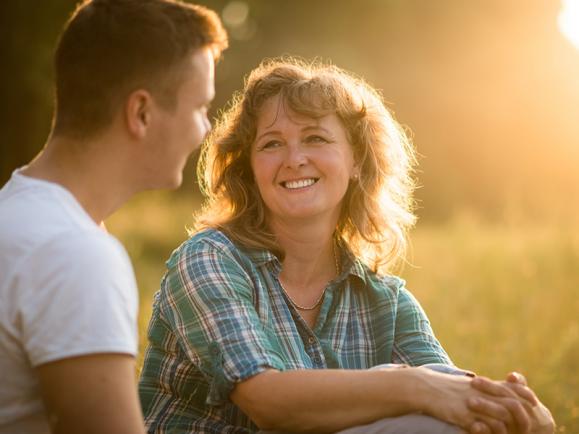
(483, 384)
(517, 377)
(524, 392)
(490, 409)
(479, 428)
(506, 389)
(488, 426)
(520, 411)
(497, 427)
(494, 426)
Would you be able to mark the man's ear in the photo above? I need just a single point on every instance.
(138, 112)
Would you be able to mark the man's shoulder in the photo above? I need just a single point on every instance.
(36, 214)
(83, 244)
(49, 240)
(69, 258)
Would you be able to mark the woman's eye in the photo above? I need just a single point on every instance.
(316, 139)
(270, 145)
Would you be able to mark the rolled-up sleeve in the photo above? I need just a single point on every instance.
(414, 341)
(207, 297)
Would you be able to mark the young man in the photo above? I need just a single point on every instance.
(133, 82)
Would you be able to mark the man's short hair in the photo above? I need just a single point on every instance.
(110, 48)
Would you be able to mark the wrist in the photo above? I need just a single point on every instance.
(415, 390)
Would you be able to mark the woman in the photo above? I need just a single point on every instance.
(272, 313)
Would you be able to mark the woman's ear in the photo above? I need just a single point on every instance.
(137, 113)
(355, 173)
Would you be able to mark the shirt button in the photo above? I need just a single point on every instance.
(317, 359)
(311, 339)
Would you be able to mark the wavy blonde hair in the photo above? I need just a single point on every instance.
(377, 210)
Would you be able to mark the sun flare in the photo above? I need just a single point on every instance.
(569, 21)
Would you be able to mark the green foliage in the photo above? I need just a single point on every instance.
(500, 297)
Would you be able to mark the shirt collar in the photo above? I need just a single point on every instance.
(350, 265)
(261, 256)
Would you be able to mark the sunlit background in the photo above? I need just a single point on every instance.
(489, 91)
(569, 21)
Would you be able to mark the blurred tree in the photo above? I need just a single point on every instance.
(28, 31)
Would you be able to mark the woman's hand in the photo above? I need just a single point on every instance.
(492, 407)
(449, 398)
(537, 418)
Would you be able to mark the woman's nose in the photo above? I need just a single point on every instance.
(295, 156)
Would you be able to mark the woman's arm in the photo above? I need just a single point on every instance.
(331, 400)
(414, 341)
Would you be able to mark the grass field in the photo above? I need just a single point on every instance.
(500, 297)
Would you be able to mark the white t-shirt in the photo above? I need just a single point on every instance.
(67, 288)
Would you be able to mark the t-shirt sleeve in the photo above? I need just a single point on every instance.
(414, 342)
(79, 297)
(207, 299)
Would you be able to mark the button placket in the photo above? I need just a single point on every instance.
(314, 350)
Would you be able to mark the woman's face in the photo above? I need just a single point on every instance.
(302, 166)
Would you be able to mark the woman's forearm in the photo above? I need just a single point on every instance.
(328, 400)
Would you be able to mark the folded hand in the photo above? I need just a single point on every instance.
(509, 407)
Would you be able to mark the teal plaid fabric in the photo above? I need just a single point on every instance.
(221, 317)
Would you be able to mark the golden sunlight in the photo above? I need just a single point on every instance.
(569, 21)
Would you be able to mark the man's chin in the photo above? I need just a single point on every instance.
(167, 183)
(175, 182)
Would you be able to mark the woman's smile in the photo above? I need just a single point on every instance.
(299, 184)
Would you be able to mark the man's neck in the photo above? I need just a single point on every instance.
(95, 177)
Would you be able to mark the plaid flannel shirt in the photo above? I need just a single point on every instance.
(221, 317)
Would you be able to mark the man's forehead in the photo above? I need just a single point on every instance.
(201, 72)
(203, 62)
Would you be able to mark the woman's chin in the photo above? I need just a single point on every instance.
(302, 215)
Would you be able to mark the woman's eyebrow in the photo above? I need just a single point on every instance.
(315, 127)
(305, 128)
(267, 133)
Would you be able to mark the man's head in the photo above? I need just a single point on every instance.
(111, 48)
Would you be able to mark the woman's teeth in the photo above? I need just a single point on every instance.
(299, 184)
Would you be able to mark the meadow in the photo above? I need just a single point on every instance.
(500, 297)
